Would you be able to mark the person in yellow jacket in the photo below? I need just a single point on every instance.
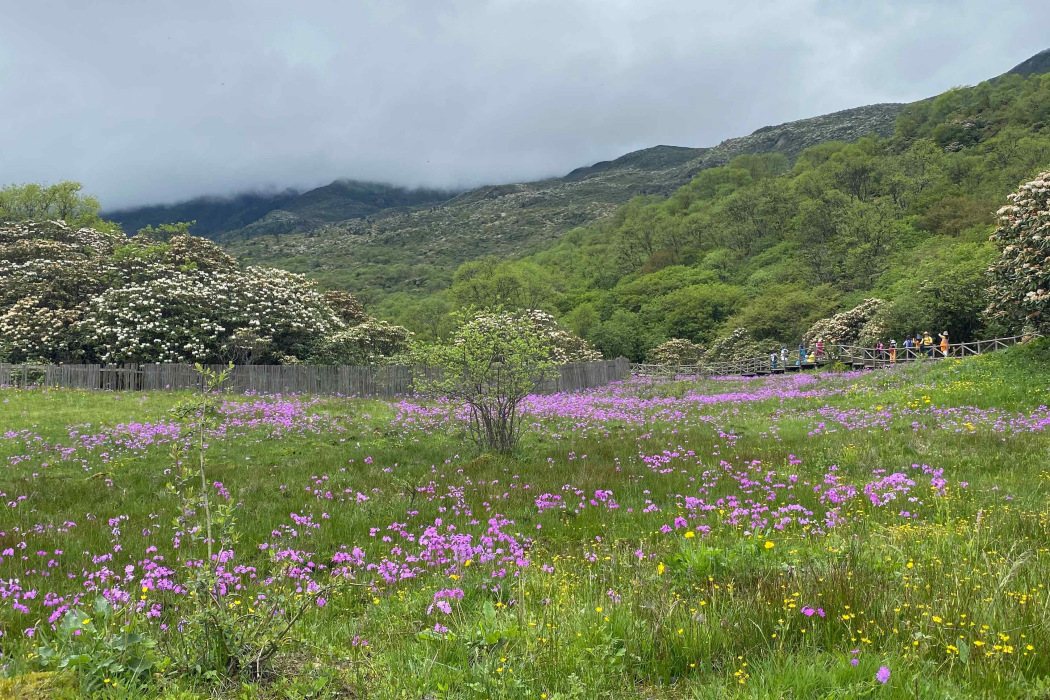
(893, 351)
(927, 344)
(944, 344)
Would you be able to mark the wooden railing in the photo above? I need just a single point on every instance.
(874, 357)
(852, 355)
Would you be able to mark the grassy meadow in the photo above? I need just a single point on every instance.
(809, 536)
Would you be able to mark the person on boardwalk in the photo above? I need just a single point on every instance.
(773, 360)
(881, 350)
(784, 355)
(927, 344)
(944, 344)
(820, 350)
(802, 353)
(908, 345)
(893, 351)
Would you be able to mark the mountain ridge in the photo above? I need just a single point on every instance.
(346, 200)
(283, 212)
(358, 239)
(393, 250)
(1037, 64)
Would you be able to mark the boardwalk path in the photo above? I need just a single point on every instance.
(852, 356)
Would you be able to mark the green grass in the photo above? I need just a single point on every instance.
(932, 597)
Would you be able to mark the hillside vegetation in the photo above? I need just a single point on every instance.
(418, 249)
(770, 245)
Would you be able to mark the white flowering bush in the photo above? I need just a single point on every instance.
(565, 345)
(675, 352)
(33, 332)
(1020, 291)
(367, 343)
(49, 273)
(848, 327)
(73, 295)
(738, 346)
(177, 319)
(346, 307)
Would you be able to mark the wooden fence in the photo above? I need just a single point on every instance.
(386, 381)
(853, 356)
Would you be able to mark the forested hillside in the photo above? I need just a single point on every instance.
(771, 245)
(418, 249)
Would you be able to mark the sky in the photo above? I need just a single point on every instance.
(148, 102)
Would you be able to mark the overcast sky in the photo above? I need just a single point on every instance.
(159, 101)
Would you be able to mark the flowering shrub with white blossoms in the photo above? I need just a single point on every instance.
(738, 346)
(849, 327)
(677, 351)
(83, 295)
(567, 346)
(367, 343)
(1020, 291)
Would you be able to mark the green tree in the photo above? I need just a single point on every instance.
(165, 232)
(64, 201)
(623, 335)
(694, 313)
(494, 361)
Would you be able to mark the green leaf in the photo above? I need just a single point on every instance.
(139, 666)
(123, 641)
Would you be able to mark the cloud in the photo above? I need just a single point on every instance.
(151, 102)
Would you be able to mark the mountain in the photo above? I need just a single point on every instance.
(751, 253)
(376, 239)
(419, 247)
(1037, 64)
(258, 214)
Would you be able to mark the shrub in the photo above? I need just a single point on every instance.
(167, 296)
(1019, 297)
(495, 360)
(565, 345)
(676, 352)
(365, 344)
(849, 327)
(738, 346)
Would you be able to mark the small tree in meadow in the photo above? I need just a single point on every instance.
(495, 360)
(1020, 291)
